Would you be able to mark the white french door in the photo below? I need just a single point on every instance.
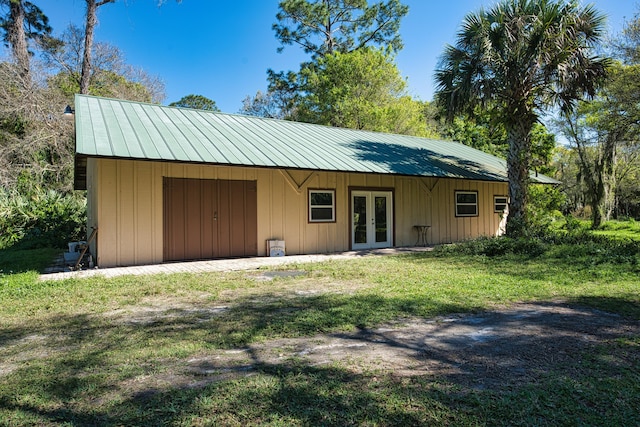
(372, 220)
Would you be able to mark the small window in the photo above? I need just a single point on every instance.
(500, 203)
(466, 203)
(322, 206)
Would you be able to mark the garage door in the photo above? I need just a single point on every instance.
(207, 218)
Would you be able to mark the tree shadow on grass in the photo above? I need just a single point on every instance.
(551, 270)
(14, 261)
(91, 370)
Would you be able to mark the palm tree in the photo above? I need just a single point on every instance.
(521, 57)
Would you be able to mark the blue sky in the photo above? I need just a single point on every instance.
(222, 48)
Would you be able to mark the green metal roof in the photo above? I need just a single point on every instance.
(123, 129)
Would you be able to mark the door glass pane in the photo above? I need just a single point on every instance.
(360, 219)
(381, 219)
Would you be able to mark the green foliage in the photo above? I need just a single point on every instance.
(543, 144)
(494, 246)
(113, 85)
(13, 124)
(627, 44)
(41, 219)
(574, 243)
(67, 83)
(103, 83)
(37, 145)
(36, 23)
(479, 132)
(573, 225)
(627, 229)
(359, 90)
(326, 26)
(545, 204)
(520, 57)
(197, 102)
(603, 134)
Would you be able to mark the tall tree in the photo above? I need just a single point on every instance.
(91, 20)
(359, 90)
(601, 132)
(324, 26)
(522, 56)
(197, 102)
(89, 29)
(24, 21)
(627, 44)
(266, 104)
(36, 145)
(110, 74)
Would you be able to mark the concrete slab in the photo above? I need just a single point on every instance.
(222, 265)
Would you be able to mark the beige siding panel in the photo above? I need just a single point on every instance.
(442, 213)
(342, 213)
(265, 225)
(275, 214)
(144, 216)
(407, 207)
(126, 204)
(290, 204)
(107, 213)
(126, 212)
(157, 208)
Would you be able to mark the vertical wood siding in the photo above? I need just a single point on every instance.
(126, 202)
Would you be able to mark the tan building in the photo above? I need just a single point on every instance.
(168, 184)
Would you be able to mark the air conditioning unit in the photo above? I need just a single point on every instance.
(275, 248)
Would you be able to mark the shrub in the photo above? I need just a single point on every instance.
(495, 246)
(41, 219)
(581, 246)
(545, 203)
(573, 224)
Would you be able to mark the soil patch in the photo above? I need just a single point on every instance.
(493, 347)
(489, 350)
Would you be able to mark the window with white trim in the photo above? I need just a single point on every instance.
(322, 206)
(500, 203)
(466, 203)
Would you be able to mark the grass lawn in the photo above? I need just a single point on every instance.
(614, 229)
(107, 351)
(620, 229)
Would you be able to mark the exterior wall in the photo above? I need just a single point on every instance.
(125, 202)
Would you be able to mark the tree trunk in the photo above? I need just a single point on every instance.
(88, 45)
(89, 29)
(609, 167)
(602, 180)
(18, 40)
(598, 199)
(519, 139)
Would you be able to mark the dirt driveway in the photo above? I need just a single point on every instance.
(490, 350)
